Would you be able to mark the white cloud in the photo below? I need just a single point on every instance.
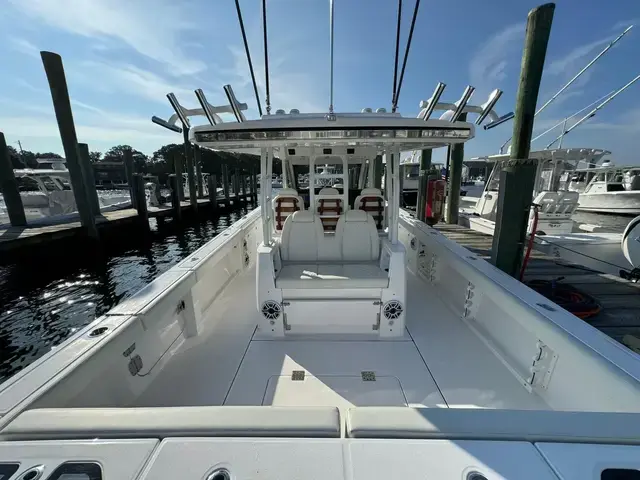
(25, 47)
(123, 78)
(488, 67)
(571, 63)
(151, 27)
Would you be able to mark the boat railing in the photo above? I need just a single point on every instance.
(550, 351)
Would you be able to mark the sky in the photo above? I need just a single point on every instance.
(122, 57)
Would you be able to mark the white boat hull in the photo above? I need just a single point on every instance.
(620, 203)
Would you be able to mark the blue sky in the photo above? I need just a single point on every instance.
(122, 56)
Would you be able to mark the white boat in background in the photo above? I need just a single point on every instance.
(557, 199)
(338, 339)
(52, 194)
(607, 188)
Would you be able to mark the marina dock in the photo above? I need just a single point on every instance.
(69, 226)
(619, 299)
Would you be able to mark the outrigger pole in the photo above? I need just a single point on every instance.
(575, 77)
(593, 112)
(246, 49)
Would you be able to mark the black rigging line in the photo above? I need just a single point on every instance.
(395, 68)
(246, 49)
(406, 55)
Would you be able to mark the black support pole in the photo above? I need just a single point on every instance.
(518, 177)
(425, 166)
(456, 156)
(89, 178)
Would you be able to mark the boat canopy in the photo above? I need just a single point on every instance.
(561, 154)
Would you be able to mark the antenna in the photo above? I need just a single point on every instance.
(266, 56)
(606, 49)
(331, 56)
(593, 112)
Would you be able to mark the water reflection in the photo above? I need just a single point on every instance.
(47, 296)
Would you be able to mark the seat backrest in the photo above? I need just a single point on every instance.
(329, 207)
(286, 202)
(358, 236)
(371, 201)
(300, 235)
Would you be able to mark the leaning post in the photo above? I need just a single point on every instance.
(9, 187)
(62, 105)
(518, 177)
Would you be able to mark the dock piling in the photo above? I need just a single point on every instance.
(378, 172)
(89, 178)
(456, 156)
(254, 185)
(213, 191)
(141, 200)
(225, 184)
(191, 172)
(177, 167)
(423, 179)
(9, 187)
(197, 155)
(174, 183)
(129, 170)
(62, 105)
(518, 177)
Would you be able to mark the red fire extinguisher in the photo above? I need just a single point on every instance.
(435, 200)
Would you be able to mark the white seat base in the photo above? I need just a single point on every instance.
(332, 275)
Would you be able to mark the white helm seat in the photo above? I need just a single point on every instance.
(285, 203)
(371, 201)
(329, 207)
(358, 237)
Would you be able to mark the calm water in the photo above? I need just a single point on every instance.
(47, 296)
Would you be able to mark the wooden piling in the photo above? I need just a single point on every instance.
(212, 185)
(141, 200)
(129, 170)
(174, 184)
(423, 179)
(518, 177)
(191, 171)
(89, 178)
(456, 156)
(197, 155)
(244, 186)
(62, 105)
(177, 167)
(9, 187)
(225, 184)
(254, 185)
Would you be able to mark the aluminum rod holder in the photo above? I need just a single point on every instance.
(165, 124)
(501, 120)
(433, 101)
(205, 106)
(178, 109)
(235, 105)
(466, 95)
(488, 106)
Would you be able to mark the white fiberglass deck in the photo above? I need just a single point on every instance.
(439, 362)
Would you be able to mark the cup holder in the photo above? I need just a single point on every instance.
(96, 332)
(219, 474)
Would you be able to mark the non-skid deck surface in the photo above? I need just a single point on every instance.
(439, 362)
(620, 299)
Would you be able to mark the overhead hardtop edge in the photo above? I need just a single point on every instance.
(339, 129)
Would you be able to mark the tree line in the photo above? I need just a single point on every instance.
(160, 163)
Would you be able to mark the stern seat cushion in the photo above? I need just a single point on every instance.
(356, 275)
